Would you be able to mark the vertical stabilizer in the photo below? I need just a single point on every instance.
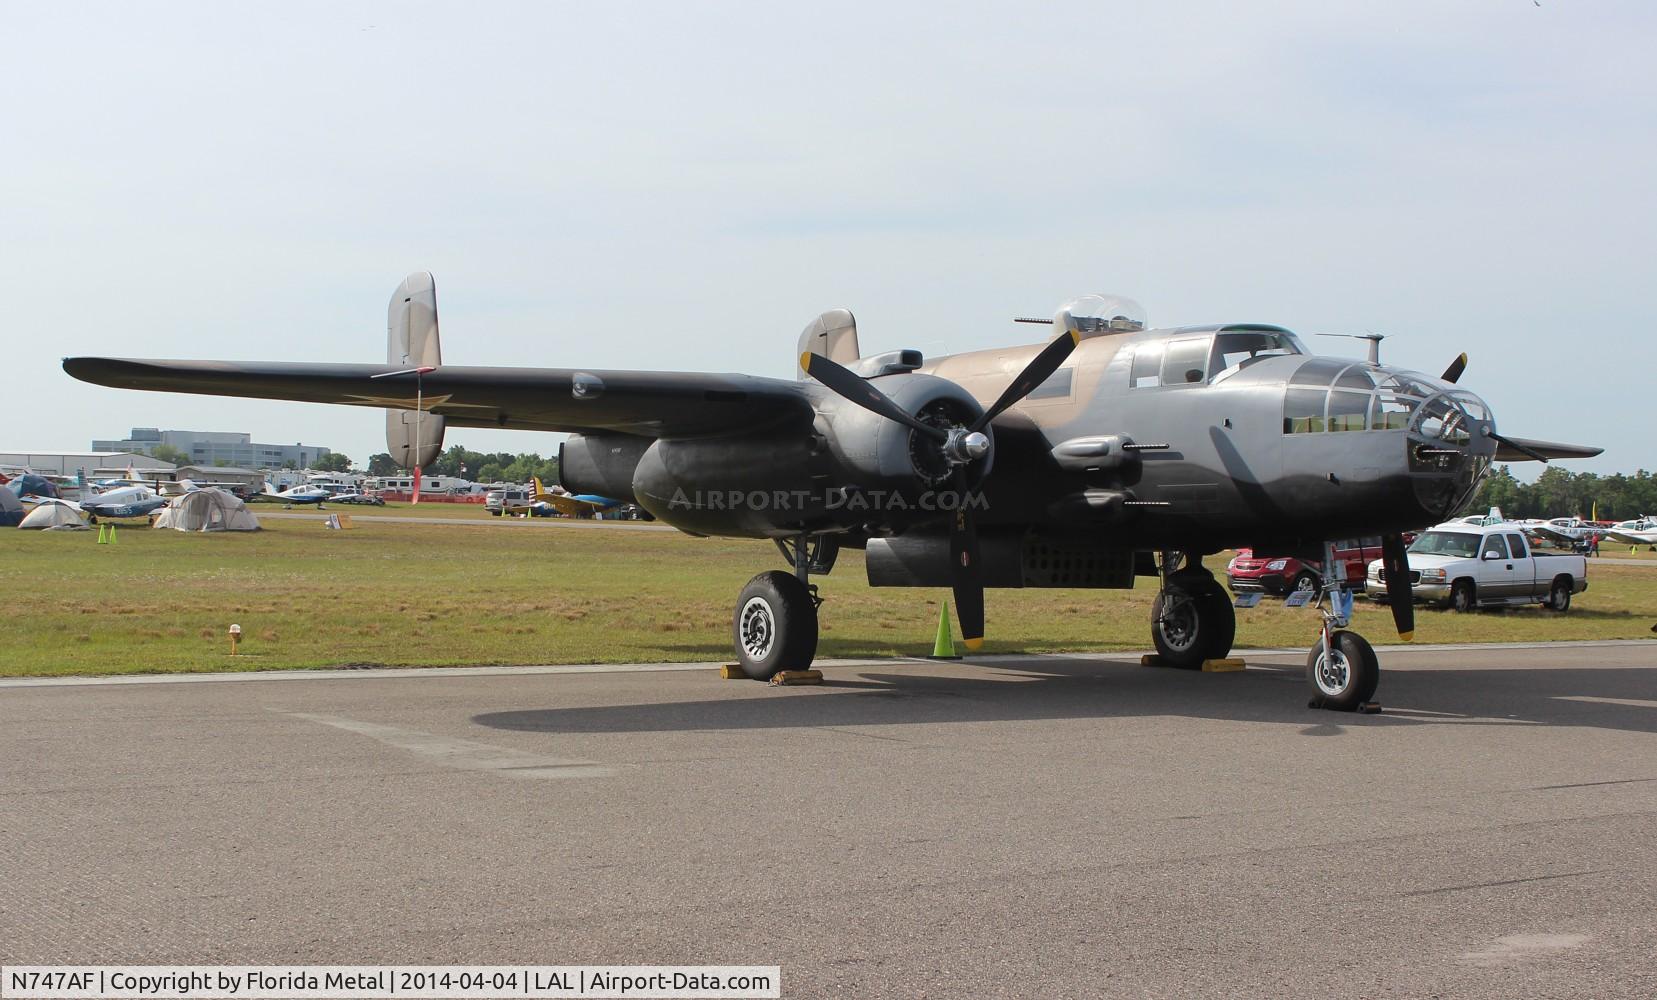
(833, 335)
(414, 439)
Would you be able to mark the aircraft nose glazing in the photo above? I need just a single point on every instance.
(1449, 450)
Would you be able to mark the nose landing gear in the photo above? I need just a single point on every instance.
(1342, 667)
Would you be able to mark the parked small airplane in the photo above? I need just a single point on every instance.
(567, 504)
(1567, 531)
(298, 494)
(1108, 453)
(124, 502)
(1638, 531)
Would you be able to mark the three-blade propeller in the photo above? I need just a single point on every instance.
(961, 446)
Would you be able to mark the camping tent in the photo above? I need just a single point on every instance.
(53, 514)
(207, 510)
(29, 484)
(11, 511)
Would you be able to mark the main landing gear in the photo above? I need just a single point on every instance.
(1342, 668)
(1191, 619)
(775, 626)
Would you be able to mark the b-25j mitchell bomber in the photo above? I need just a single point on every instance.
(1109, 453)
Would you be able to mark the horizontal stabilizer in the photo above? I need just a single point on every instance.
(1516, 449)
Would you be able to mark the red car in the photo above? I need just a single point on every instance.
(1248, 572)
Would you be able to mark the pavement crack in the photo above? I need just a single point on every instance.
(1593, 784)
(1502, 882)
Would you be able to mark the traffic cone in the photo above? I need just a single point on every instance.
(112, 534)
(101, 539)
(943, 647)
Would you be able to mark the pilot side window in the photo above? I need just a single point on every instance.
(1186, 361)
(1147, 366)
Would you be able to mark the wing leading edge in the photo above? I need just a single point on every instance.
(650, 404)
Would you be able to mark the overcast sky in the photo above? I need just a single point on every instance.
(684, 186)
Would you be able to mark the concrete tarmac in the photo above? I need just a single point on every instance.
(1019, 826)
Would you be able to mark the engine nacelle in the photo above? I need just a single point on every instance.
(601, 463)
(874, 453)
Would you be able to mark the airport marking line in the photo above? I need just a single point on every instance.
(637, 668)
(1592, 699)
(463, 755)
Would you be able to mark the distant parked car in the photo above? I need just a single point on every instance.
(495, 500)
(1250, 573)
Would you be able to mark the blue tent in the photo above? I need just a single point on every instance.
(11, 512)
(29, 484)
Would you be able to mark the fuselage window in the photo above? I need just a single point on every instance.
(1392, 413)
(1348, 411)
(1147, 365)
(1303, 411)
(1186, 361)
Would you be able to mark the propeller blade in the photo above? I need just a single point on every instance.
(968, 580)
(1453, 373)
(1400, 592)
(1040, 368)
(416, 497)
(849, 385)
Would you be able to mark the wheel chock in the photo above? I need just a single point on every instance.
(789, 678)
(1151, 660)
(1369, 708)
(1226, 666)
(733, 672)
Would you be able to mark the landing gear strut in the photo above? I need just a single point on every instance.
(1342, 668)
(1191, 618)
(775, 625)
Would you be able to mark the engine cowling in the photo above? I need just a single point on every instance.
(875, 453)
(603, 464)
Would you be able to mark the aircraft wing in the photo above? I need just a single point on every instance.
(1627, 539)
(650, 404)
(571, 506)
(1551, 533)
(1506, 450)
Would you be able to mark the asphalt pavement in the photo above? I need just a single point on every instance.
(1016, 826)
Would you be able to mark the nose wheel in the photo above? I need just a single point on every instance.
(1341, 668)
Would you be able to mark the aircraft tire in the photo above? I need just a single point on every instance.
(1349, 682)
(1192, 621)
(775, 625)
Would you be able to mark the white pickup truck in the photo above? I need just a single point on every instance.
(1466, 566)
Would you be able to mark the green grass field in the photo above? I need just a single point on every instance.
(417, 594)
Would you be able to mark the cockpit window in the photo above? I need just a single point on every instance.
(1186, 361)
(1235, 351)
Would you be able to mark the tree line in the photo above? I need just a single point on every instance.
(477, 466)
(1560, 493)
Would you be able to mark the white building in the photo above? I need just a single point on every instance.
(219, 448)
(91, 464)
